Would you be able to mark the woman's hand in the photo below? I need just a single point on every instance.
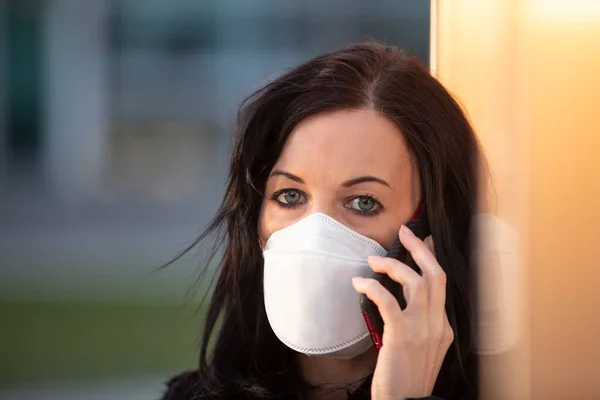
(416, 339)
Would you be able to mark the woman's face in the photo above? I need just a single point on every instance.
(352, 165)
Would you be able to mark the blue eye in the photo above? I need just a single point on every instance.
(364, 205)
(289, 197)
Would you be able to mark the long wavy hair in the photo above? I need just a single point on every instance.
(240, 354)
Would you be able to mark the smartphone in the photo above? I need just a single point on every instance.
(419, 225)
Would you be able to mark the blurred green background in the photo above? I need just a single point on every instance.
(45, 341)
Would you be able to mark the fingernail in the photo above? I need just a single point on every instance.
(356, 280)
(429, 241)
(406, 231)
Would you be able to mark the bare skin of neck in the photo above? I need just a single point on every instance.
(334, 377)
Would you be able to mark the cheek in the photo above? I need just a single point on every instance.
(269, 221)
(385, 229)
(386, 237)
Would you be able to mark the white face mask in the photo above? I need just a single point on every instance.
(309, 299)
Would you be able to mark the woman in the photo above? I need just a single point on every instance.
(331, 160)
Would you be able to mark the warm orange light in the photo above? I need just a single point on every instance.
(563, 11)
(527, 74)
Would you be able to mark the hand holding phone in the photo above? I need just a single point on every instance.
(419, 225)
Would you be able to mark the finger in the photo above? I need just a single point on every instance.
(386, 303)
(412, 283)
(432, 271)
(429, 242)
(449, 332)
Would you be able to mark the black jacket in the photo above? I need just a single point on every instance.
(187, 385)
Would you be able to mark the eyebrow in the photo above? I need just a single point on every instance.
(288, 175)
(363, 179)
(348, 183)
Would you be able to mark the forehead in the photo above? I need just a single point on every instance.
(346, 143)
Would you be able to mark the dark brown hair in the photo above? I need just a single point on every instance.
(247, 359)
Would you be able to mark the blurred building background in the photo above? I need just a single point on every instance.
(115, 126)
